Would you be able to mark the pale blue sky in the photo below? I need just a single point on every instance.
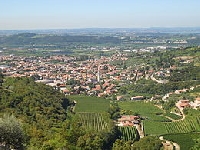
(57, 14)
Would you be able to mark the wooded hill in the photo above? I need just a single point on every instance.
(37, 39)
(47, 124)
(41, 109)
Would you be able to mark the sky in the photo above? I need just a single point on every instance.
(70, 14)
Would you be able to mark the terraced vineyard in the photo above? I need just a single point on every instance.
(188, 125)
(128, 133)
(94, 121)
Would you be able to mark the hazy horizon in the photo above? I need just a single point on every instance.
(66, 14)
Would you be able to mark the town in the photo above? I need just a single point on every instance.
(93, 76)
(142, 92)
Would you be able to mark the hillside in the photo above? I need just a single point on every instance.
(40, 108)
(52, 120)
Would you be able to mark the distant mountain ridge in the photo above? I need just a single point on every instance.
(106, 30)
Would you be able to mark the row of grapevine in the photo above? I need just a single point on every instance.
(198, 119)
(128, 133)
(94, 121)
(184, 126)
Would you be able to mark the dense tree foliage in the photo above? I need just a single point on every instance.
(148, 143)
(11, 133)
(179, 79)
(47, 125)
(185, 74)
(41, 108)
(114, 111)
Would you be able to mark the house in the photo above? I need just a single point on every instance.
(196, 103)
(128, 120)
(119, 97)
(137, 98)
(65, 91)
(181, 91)
(101, 94)
(181, 104)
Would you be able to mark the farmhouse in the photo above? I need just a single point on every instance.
(137, 98)
(181, 104)
(196, 103)
(128, 120)
(181, 91)
(119, 97)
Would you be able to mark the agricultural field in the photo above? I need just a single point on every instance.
(173, 116)
(186, 141)
(154, 128)
(128, 133)
(153, 116)
(145, 110)
(90, 104)
(94, 121)
(155, 122)
(189, 124)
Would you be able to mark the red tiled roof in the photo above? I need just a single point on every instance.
(198, 99)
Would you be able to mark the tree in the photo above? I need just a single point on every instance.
(114, 111)
(11, 133)
(90, 141)
(122, 145)
(1, 78)
(148, 142)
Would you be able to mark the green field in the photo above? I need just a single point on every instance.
(90, 104)
(173, 116)
(154, 128)
(186, 141)
(154, 118)
(189, 124)
(155, 122)
(146, 110)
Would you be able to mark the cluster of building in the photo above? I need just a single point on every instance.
(91, 77)
(128, 120)
(184, 103)
(181, 104)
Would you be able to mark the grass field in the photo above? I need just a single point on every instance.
(90, 104)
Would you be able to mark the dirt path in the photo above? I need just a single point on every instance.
(177, 147)
(140, 130)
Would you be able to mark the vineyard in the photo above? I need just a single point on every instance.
(128, 133)
(94, 121)
(173, 116)
(90, 104)
(184, 126)
(146, 110)
(154, 127)
(190, 124)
